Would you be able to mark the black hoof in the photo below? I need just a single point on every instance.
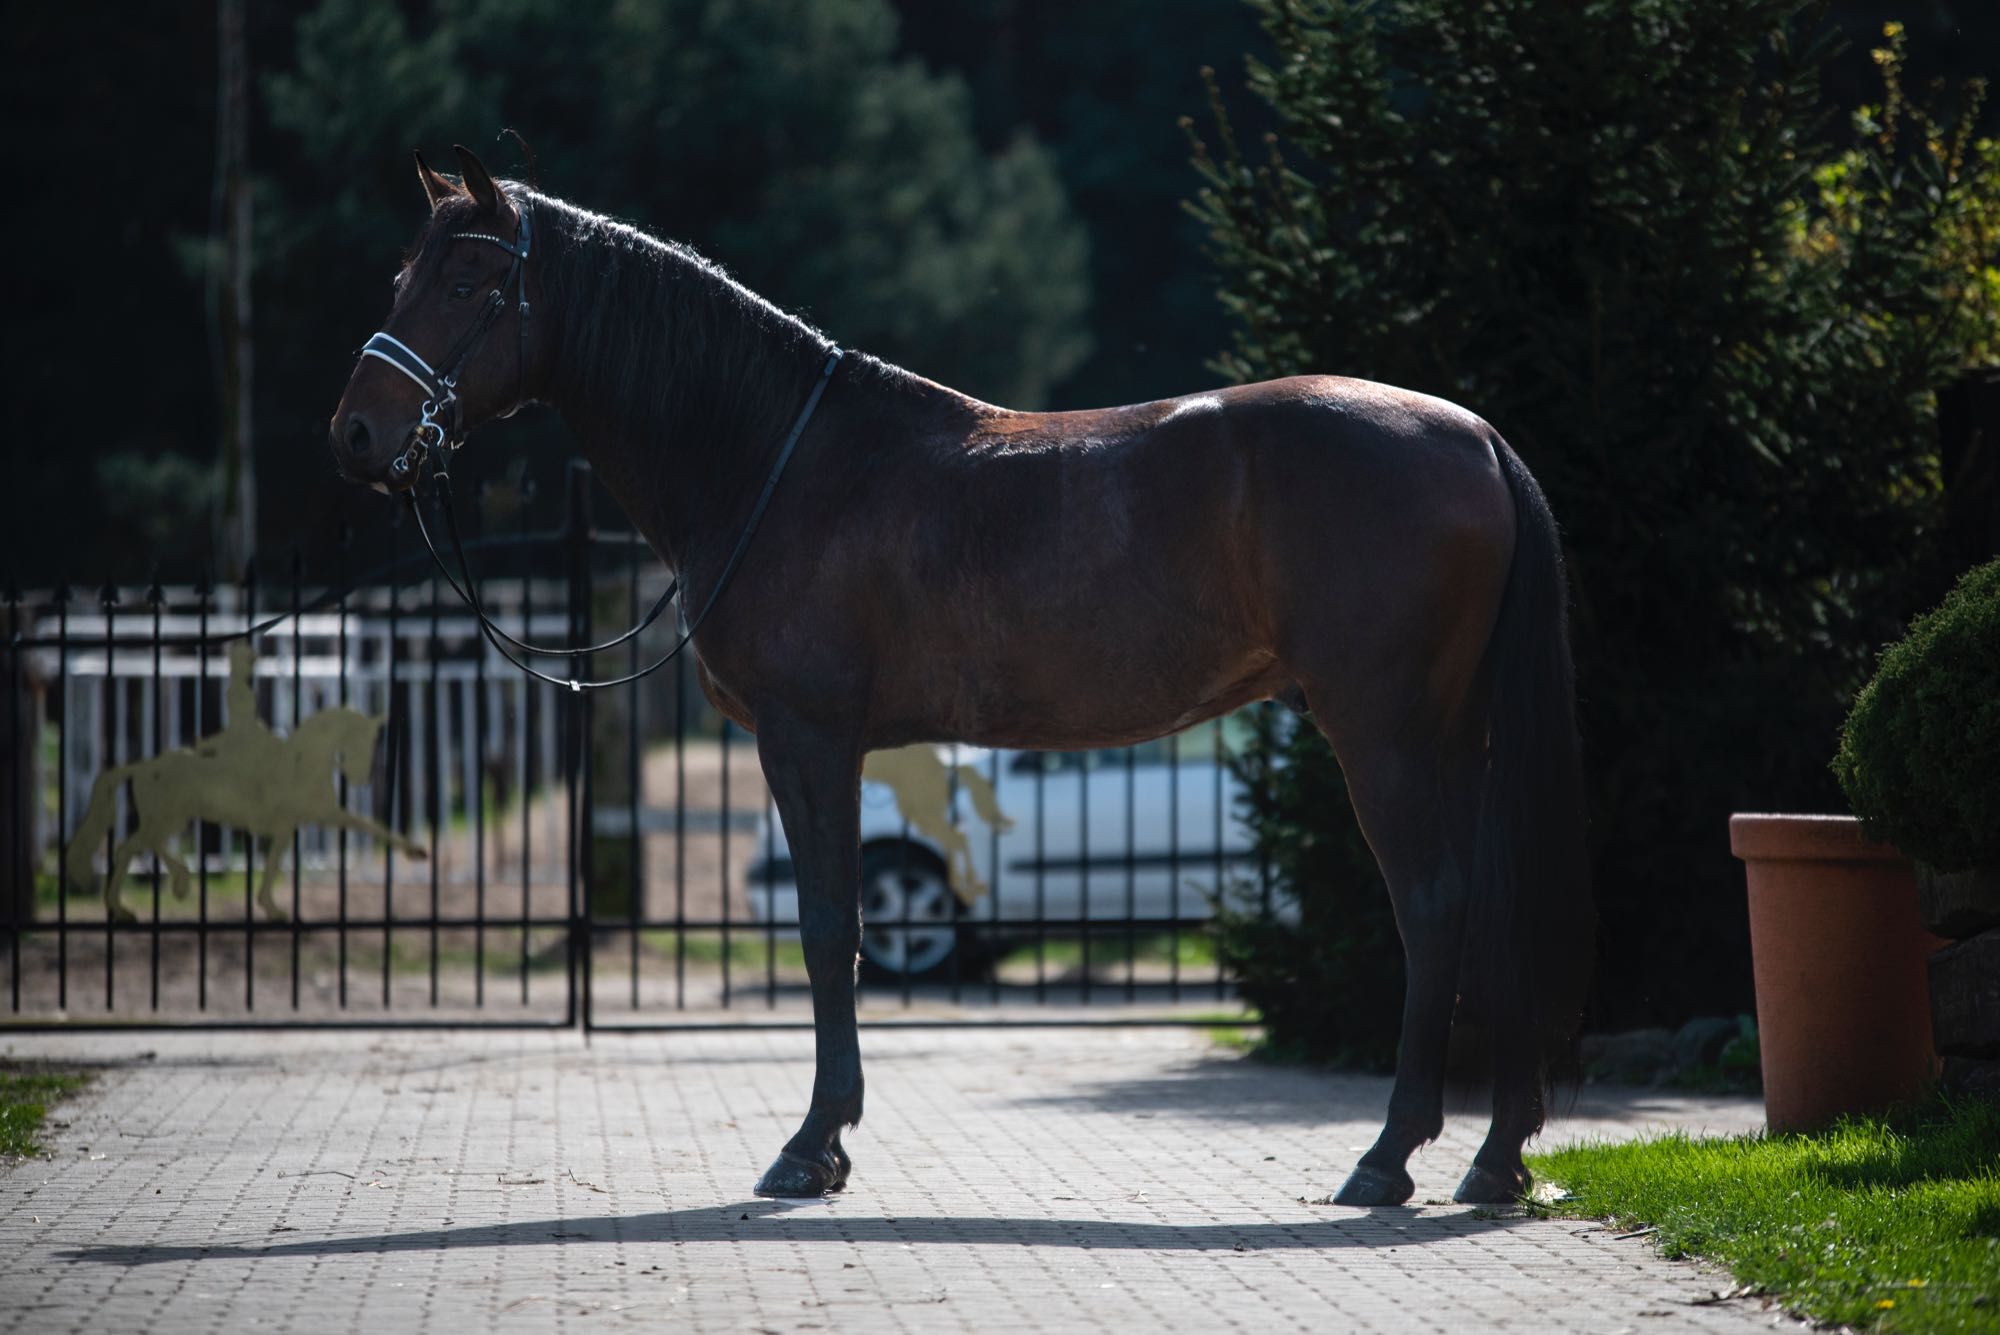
(1484, 1186)
(1368, 1185)
(791, 1175)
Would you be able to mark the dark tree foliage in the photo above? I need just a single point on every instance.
(1103, 85)
(790, 139)
(784, 138)
(115, 138)
(1710, 317)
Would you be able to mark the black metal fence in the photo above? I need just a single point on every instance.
(605, 859)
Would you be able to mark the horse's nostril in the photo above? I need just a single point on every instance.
(357, 433)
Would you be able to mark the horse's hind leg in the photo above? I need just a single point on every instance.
(1498, 1176)
(1413, 803)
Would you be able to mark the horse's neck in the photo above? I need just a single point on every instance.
(685, 431)
(331, 733)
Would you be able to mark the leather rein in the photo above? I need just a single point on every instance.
(441, 430)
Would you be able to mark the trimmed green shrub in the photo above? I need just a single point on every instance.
(1920, 756)
(1324, 966)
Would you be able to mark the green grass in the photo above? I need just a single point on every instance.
(1882, 1224)
(1243, 1033)
(25, 1098)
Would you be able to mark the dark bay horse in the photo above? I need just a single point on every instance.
(934, 568)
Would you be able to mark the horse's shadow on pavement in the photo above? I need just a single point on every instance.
(756, 1221)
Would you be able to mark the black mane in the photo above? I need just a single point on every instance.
(655, 340)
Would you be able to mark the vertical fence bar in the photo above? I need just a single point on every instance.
(397, 758)
(298, 717)
(479, 725)
(113, 716)
(1083, 863)
(903, 883)
(958, 938)
(151, 730)
(725, 863)
(20, 898)
(636, 878)
(582, 881)
(1174, 866)
(1131, 870)
(249, 835)
(345, 540)
(1041, 878)
(770, 927)
(203, 590)
(155, 596)
(680, 824)
(63, 742)
(434, 765)
(1222, 887)
(1264, 857)
(998, 874)
(529, 735)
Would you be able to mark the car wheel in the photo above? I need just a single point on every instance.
(909, 915)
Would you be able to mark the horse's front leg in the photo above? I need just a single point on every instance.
(362, 825)
(815, 778)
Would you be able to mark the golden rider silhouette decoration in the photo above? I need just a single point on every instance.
(922, 783)
(245, 776)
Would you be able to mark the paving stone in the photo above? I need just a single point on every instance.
(1005, 1180)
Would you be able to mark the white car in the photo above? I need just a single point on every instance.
(1143, 834)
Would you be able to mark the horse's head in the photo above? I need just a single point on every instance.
(344, 732)
(458, 347)
(357, 750)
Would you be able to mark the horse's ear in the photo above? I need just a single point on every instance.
(478, 181)
(436, 188)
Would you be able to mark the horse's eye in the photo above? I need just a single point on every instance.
(460, 291)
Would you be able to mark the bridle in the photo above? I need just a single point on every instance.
(441, 429)
(442, 425)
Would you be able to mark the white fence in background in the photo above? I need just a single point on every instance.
(109, 708)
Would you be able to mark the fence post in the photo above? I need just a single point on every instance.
(576, 750)
(614, 878)
(21, 743)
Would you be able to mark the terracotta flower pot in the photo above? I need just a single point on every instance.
(1839, 954)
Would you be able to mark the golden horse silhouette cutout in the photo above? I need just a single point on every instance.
(244, 776)
(921, 783)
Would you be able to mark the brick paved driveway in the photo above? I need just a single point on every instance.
(1044, 1180)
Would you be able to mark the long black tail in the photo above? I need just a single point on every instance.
(1531, 924)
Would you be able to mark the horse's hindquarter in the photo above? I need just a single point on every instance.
(1080, 579)
(1386, 527)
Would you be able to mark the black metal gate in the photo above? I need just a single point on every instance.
(605, 860)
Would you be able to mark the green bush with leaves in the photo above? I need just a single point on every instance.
(1321, 962)
(1919, 758)
(1712, 321)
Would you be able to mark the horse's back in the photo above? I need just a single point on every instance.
(1083, 578)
